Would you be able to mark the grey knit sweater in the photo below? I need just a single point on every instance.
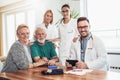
(16, 58)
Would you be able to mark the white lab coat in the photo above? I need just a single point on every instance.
(51, 30)
(95, 54)
(66, 33)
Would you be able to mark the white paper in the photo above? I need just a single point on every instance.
(79, 71)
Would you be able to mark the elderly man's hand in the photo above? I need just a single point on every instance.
(51, 62)
(45, 59)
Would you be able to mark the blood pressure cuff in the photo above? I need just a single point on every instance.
(52, 72)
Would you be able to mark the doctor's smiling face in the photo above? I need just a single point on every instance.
(66, 11)
(83, 26)
(48, 17)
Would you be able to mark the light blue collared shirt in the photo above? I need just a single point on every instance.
(84, 45)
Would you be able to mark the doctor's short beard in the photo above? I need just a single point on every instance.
(41, 41)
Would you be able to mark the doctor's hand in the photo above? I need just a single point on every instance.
(76, 38)
(81, 65)
(67, 64)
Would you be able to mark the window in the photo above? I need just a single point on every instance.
(11, 19)
(104, 16)
(10, 30)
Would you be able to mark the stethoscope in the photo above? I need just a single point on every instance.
(88, 48)
(92, 42)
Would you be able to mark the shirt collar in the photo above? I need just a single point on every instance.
(87, 37)
(38, 42)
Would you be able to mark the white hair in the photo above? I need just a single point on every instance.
(37, 28)
(42, 28)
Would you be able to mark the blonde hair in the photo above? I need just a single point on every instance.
(48, 11)
(21, 26)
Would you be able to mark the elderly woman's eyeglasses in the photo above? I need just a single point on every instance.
(27, 33)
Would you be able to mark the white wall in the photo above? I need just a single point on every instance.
(7, 2)
(113, 61)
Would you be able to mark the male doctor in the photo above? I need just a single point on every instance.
(89, 50)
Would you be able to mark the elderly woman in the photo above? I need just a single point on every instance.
(19, 55)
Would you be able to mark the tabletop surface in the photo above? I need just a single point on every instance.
(35, 74)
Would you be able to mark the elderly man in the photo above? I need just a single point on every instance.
(43, 50)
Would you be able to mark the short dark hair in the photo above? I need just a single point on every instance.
(65, 5)
(82, 19)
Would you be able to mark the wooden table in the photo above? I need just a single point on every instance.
(35, 74)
